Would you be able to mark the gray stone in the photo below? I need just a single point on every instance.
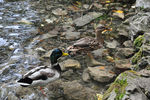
(112, 45)
(124, 52)
(83, 20)
(123, 32)
(128, 43)
(135, 87)
(123, 64)
(75, 91)
(144, 62)
(100, 75)
(143, 3)
(59, 12)
(85, 76)
(72, 35)
(70, 63)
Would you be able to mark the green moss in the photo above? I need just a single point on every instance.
(118, 86)
(137, 56)
(138, 41)
(103, 17)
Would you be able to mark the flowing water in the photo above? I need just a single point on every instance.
(16, 27)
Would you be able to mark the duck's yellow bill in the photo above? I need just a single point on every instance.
(65, 54)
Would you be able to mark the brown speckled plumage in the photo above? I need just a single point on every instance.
(88, 44)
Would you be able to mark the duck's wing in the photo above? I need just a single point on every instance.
(37, 69)
(84, 42)
(37, 75)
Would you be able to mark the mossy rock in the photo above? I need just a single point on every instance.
(138, 41)
(137, 56)
(118, 86)
(117, 89)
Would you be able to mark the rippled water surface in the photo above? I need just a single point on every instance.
(16, 26)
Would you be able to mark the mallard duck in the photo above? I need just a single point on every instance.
(43, 74)
(88, 44)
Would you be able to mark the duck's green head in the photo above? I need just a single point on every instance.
(56, 53)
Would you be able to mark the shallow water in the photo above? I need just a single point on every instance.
(16, 27)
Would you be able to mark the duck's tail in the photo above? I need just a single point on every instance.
(25, 82)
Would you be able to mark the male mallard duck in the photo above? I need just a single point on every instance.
(43, 74)
(88, 44)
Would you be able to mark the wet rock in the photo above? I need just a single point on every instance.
(100, 52)
(139, 23)
(72, 35)
(67, 74)
(3, 42)
(144, 73)
(59, 12)
(123, 32)
(100, 75)
(75, 91)
(70, 63)
(79, 22)
(128, 43)
(47, 54)
(5, 70)
(85, 76)
(128, 85)
(123, 64)
(144, 62)
(124, 52)
(142, 3)
(40, 49)
(112, 45)
(146, 50)
(51, 20)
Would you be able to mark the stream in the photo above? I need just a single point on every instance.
(16, 28)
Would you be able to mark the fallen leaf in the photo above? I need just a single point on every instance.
(107, 1)
(118, 11)
(102, 67)
(99, 96)
(110, 59)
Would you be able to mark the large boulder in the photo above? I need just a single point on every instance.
(129, 85)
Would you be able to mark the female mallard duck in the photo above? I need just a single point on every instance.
(43, 74)
(88, 44)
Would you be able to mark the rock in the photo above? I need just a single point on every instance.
(144, 73)
(123, 32)
(128, 43)
(67, 74)
(86, 6)
(85, 76)
(75, 91)
(124, 52)
(70, 63)
(136, 27)
(40, 49)
(128, 86)
(123, 64)
(59, 12)
(72, 35)
(146, 50)
(144, 62)
(79, 22)
(142, 3)
(100, 52)
(3, 42)
(100, 75)
(137, 56)
(51, 20)
(112, 45)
